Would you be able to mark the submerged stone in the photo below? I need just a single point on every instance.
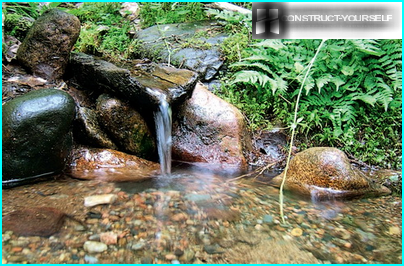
(110, 165)
(209, 130)
(46, 48)
(37, 135)
(326, 173)
(34, 221)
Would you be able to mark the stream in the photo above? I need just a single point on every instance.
(202, 215)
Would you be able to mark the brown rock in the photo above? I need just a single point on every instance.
(126, 127)
(110, 165)
(36, 221)
(210, 130)
(46, 48)
(325, 173)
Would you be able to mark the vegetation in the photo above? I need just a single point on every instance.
(351, 98)
(353, 85)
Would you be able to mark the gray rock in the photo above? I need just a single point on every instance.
(199, 54)
(46, 48)
(37, 135)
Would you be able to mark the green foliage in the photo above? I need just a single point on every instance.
(104, 31)
(351, 81)
(153, 13)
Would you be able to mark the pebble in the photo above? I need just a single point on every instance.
(394, 230)
(90, 259)
(139, 245)
(95, 200)
(268, 219)
(296, 231)
(109, 238)
(94, 247)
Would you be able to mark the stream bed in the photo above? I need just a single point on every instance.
(198, 215)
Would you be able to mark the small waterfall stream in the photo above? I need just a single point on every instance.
(162, 118)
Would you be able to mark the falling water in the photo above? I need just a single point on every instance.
(162, 119)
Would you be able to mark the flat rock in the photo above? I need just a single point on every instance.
(199, 54)
(34, 221)
(143, 85)
(110, 165)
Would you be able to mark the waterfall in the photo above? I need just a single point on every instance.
(162, 118)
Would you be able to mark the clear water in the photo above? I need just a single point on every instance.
(163, 122)
(211, 216)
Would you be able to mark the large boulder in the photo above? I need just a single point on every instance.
(126, 127)
(37, 135)
(326, 173)
(46, 48)
(110, 165)
(207, 129)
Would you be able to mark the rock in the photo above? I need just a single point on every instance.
(126, 127)
(207, 129)
(394, 230)
(142, 85)
(109, 238)
(37, 136)
(87, 130)
(95, 200)
(199, 54)
(325, 173)
(296, 232)
(34, 221)
(46, 48)
(268, 219)
(110, 165)
(94, 247)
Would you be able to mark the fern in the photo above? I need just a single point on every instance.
(349, 77)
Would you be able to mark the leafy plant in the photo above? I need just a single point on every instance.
(153, 13)
(349, 76)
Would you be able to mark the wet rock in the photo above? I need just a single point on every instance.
(142, 85)
(200, 54)
(109, 238)
(87, 130)
(207, 129)
(110, 165)
(46, 48)
(35, 221)
(325, 173)
(94, 247)
(37, 136)
(95, 200)
(126, 127)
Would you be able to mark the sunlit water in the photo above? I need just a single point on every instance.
(163, 122)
